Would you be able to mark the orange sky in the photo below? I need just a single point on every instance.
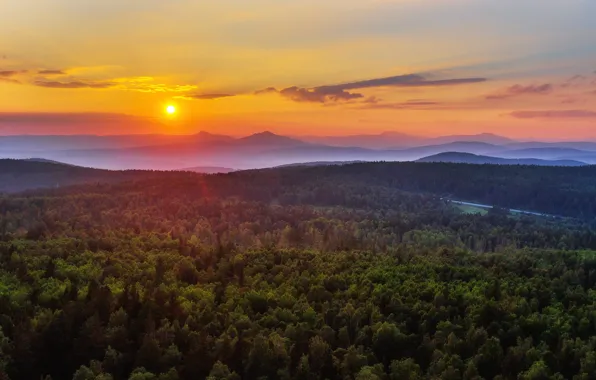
(299, 67)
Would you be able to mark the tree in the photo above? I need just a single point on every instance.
(538, 371)
(5, 347)
(387, 341)
(405, 369)
(221, 371)
(141, 373)
(371, 373)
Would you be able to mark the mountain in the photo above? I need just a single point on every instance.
(551, 153)
(554, 152)
(456, 146)
(581, 145)
(210, 137)
(271, 140)
(488, 138)
(398, 140)
(259, 150)
(264, 149)
(469, 158)
(383, 140)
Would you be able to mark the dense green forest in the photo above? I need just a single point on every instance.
(341, 272)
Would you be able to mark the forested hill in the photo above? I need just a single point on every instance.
(20, 175)
(566, 191)
(469, 158)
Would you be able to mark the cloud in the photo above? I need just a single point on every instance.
(51, 72)
(74, 84)
(7, 75)
(342, 92)
(11, 73)
(410, 104)
(205, 96)
(408, 80)
(9, 80)
(140, 84)
(575, 81)
(313, 95)
(318, 95)
(371, 100)
(268, 90)
(553, 114)
(147, 84)
(517, 90)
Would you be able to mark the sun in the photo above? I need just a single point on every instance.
(171, 109)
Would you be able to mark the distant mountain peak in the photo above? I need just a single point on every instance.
(268, 137)
(205, 133)
(265, 134)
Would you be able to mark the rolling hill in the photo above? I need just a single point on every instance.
(469, 158)
(548, 153)
(20, 175)
(398, 140)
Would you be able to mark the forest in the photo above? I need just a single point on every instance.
(358, 271)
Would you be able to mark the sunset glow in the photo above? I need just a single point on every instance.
(171, 109)
(419, 67)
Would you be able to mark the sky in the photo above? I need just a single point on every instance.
(518, 68)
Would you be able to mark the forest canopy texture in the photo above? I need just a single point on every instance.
(361, 271)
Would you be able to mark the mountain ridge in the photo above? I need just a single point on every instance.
(470, 158)
(265, 149)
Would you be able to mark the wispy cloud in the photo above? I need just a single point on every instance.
(575, 81)
(51, 72)
(410, 104)
(72, 85)
(268, 90)
(149, 84)
(203, 96)
(11, 73)
(7, 76)
(341, 92)
(553, 114)
(9, 80)
(517, 90)
(140, 84)
(408, 80)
